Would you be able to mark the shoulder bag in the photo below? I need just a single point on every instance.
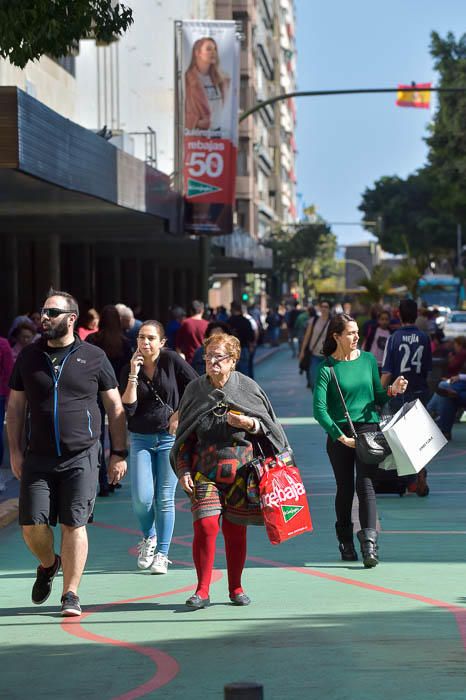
(372, 446)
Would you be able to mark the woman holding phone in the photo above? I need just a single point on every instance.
(152, 386)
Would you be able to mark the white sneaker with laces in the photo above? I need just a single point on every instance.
(146, 551)
(160, 564)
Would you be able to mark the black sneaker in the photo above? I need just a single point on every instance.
(42, 587)
(70, 606)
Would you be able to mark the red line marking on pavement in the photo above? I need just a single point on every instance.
(183, 506)
(458, 612)
(424, 532)
(167, 668)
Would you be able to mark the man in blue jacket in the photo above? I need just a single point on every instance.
(57, 381)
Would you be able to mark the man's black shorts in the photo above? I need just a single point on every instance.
(63, 490)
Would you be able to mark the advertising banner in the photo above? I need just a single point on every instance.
(208, 55)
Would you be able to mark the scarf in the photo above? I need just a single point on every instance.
(241, 394)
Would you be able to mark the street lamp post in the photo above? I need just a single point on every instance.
(359, 264)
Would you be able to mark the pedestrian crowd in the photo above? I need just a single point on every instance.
(439, 376)
(74, 383)
(88, 392)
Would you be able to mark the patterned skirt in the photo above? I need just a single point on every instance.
(232, 500)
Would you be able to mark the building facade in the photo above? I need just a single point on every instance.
(130, 251)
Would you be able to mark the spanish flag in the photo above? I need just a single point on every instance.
(414, 95)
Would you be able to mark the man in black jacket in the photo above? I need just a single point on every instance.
(57, 381)
(244, 331)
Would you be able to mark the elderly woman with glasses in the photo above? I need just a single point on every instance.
(221, 414)
(152, 386)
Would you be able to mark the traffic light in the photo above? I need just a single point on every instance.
(245, 296)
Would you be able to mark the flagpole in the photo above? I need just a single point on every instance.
(357, 91)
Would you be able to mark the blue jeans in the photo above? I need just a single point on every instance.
(2, 420)
(243, 363)
(153, 485)
(447, 406)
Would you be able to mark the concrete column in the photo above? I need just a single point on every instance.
(116, 276)
(180, 293)
(168, 300)
(204, 262)
(10, 294)
(47, 265)
(155, 302)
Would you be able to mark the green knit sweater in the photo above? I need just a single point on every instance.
(360, 384)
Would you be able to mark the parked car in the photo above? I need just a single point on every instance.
(455, 324)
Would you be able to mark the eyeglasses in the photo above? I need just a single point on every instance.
(150, 338)
(52, 312)
(215, 359)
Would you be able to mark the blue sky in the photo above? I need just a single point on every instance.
(345, 143)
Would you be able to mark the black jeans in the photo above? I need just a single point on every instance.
(343, 460)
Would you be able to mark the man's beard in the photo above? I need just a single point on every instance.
(59, 331)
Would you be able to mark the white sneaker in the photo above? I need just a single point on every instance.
(160, 564)
(146, 551)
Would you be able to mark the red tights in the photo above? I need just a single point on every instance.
(205, 536)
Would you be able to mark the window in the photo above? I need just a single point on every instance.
(243, 152)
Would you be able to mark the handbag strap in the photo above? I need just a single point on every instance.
(323, 329)
(343, 403)
(154, 392)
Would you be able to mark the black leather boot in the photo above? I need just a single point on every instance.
(368, 541)
(345, 538)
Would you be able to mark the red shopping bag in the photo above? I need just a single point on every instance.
(283, 499)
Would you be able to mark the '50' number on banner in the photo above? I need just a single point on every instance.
(202, 163)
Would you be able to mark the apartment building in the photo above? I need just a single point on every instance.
(266, 181)
(128, 88)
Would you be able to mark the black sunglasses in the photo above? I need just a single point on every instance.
(54, 313)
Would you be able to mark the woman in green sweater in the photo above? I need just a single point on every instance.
(358, 376)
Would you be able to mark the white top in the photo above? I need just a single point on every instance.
(214, 97)
(378, 344)
(319, 333)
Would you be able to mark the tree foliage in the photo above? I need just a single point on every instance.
(309, 250)
(420, 213)
(447, 140)
(32, 28)
(412, 224)
(377, 286)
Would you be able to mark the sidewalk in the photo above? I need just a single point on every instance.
(317, 626)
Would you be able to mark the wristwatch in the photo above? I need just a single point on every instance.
(120, 453)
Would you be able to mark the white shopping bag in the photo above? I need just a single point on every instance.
(414, 438)
(388, 464)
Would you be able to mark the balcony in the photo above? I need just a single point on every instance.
(246, 63)
(243, 6)
(246, 128)
(263, 153)
(244, 187)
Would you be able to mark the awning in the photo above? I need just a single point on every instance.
(57, 177)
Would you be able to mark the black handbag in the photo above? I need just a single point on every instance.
(306, 361)
(371, 446)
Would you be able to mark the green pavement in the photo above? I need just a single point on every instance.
(317, 628)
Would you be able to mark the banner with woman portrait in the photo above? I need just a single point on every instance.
(206, 137)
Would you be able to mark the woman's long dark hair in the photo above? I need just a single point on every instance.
(109, 337)
(337, 325)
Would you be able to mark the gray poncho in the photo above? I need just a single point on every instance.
(241, 394)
